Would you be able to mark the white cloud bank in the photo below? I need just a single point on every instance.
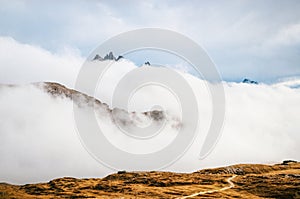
(23, 63)
(39, 142)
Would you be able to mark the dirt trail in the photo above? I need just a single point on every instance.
(229, 180)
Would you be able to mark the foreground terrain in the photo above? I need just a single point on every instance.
(238, 181)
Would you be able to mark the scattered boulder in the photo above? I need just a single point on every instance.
(286, 162)
(121, 172)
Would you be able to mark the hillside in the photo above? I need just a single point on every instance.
(238, 181)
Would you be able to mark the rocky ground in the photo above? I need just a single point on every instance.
(238, 181)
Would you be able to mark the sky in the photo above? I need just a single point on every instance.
(256, 39)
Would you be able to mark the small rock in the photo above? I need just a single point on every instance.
(121, 172)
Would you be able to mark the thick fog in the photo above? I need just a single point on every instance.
(39, 141)
(38, 135)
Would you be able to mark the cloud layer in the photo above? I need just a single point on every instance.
(39, 141)
(23, 63)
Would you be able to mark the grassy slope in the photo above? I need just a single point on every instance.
(252, 181)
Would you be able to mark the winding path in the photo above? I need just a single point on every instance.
(229, 180)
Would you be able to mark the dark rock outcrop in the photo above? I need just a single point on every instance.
(120, 57)
(248, 81)
(98, 57)
(109, 56)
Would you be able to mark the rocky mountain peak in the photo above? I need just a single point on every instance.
(249, 81)
(109, 56)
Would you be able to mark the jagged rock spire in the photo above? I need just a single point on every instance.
(98, 57)
(109, 56)
(249, 81)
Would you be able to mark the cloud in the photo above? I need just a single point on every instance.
(289, 35)
(260, 127)
(38, 139)
(39, 142)
(37, 132)
(23, 63)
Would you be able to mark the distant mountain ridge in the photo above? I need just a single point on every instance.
(81, 99)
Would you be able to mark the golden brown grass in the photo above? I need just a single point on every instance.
(252, 181)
